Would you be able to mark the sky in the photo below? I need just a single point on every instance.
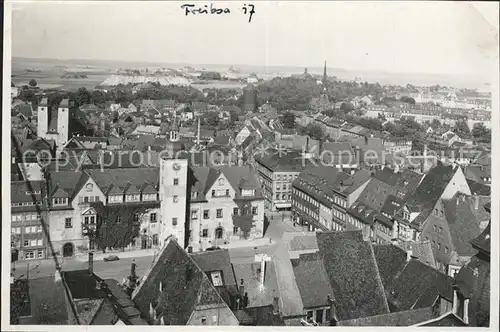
(401, 37)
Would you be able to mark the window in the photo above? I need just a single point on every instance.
(176, 182)
(60, 201)
(85, 199)
(235, 230)
(133, 198)
(68, 223)
(309, 314)
(227, 192)
(216, 278)
(176, 198)
(219, 213)
(254, 210)
(39, 254)
(214, 319)
(135, 218)
(213, 193)
(204, 320)
(205, 232)
(194, 214)
(206, 214)
(319, 316)
(26, 243)
(194, 195)
(435, 212)
(39, 242)
(174, 221)
(149, 197)
(155, 239)
(152, 217)
(29, 255)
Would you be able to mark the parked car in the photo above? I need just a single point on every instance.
(111, 258)
(213, 248)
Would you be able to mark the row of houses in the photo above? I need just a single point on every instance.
(312, 279)
(200, 205)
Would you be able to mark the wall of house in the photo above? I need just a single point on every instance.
(43, 120)
(150, 231)
(62, 126)
(213, 316)
(242, 135)
(170, 209)
(458, 183)
(436, 231)
(353, 197)
(59, 234)
(19, 222)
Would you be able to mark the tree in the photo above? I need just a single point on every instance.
(289, 120)
(212, 119)
(314, 131)
(81, 97)
(346, 107)
(116, 226)
(479, 130)
(407, 99)
(244, 220)
(33, 83)
(435, 124)
(461, 128)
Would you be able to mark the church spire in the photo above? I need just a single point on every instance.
(324, 79)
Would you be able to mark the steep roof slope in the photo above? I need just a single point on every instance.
(351, 267)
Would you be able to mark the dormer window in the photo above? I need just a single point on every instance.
(461, 306)
(248, 192)
(115, 198)
(133, 198)
(216, 277)
(60, 201)
(149, 197)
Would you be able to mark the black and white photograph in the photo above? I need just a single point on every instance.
(234, 163)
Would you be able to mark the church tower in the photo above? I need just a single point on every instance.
(323, 98)
(174, 131)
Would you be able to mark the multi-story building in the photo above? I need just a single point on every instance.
(28, 212)
(158, 195)
(173, 192)
(321, 196)
(226, 205)
(54, 124)
(276, 173)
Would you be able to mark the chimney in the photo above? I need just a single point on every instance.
(409, 255)
(242, 288)
(91, 262)
(198, 135)
(276, 305)
(333, 311)
(262, 270)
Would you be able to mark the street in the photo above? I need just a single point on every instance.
(121, 268)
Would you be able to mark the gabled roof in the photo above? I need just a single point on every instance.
(353, 274)
(483, 242)
(216, 260)
(312, 280)
(391, 260)
(401, 318)
(69, 181)
(418, 286)
(448, 319)
(464, 220)
(430, 190)
(184, 287)
(117, 180)
(479, 189)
